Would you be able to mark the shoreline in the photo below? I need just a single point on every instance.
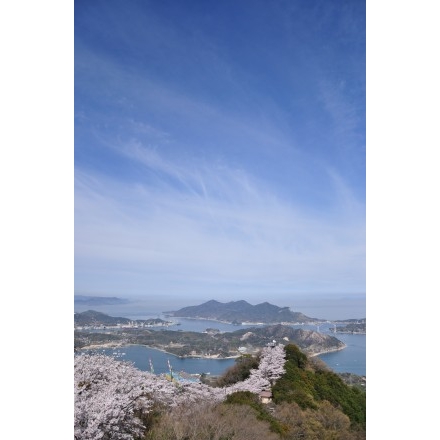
(244, 322)
(214, 357)
(328, 351)
(349, 333)
(122, 345)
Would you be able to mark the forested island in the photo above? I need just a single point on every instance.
(239, 312)
(93, 319)
(210, 344)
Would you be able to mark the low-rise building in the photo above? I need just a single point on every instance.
(266, 396)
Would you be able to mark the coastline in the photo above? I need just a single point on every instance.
(215, 357)
(242, 323)
(121, 345)
(350, 333)
(213, 320)
(328, 351)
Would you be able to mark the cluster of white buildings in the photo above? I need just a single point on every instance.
(130, 324)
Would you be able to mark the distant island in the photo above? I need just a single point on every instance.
(241, 312)
(210, 344)
(98, 300)
(94, 319)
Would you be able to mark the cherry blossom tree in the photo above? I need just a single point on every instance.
(111, 395)
(108, 394)
(271, 367)
(272, 362)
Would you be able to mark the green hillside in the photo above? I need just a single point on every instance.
(307, 385)
(241, 311)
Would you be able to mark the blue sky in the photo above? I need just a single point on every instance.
(220, 150)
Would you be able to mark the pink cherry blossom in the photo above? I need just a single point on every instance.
(109, 393)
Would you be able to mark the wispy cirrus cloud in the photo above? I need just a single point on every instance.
(218, 226)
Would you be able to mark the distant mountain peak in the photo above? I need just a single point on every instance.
(242, 311)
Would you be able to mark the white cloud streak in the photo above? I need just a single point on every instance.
(215, 227)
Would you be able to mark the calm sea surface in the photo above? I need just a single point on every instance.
(141, 357)
(351, 359)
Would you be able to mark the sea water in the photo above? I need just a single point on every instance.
(351, 359)
(159, 362)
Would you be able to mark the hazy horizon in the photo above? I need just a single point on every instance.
(331, 307)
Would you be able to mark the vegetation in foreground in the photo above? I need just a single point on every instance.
(113, 400)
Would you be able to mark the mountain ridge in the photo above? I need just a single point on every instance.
(241, 311)
(94, 318)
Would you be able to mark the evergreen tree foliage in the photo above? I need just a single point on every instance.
(240, 371)
(308, 387)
